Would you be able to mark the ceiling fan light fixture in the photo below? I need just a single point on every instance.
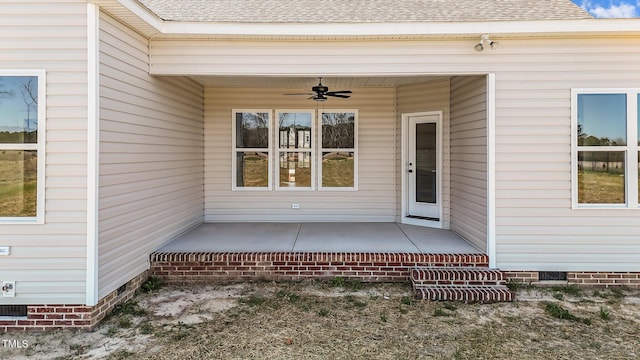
(321, 93)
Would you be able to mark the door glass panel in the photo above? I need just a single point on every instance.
(426, 163)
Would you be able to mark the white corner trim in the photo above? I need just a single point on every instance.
(93, 41)
(491, 169)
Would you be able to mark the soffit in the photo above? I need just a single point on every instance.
(306, 82)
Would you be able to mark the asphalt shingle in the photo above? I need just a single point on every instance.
(363, 11)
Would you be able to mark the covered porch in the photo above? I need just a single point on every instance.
(222, 252)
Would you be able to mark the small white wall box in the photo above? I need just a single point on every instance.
(5, 250)
(9, 288)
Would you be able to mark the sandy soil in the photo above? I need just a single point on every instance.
(312, 320)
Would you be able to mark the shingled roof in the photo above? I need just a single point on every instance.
(363, 11)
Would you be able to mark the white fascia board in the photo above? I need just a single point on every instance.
(443, 29)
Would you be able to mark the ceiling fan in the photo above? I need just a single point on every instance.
(321, 92)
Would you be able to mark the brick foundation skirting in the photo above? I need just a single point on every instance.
(370, 267)
(55, 316)
(593, 279)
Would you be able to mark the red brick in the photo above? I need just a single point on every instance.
(14, 328)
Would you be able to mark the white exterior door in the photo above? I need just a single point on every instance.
(424, 167)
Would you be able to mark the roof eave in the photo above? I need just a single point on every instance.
(149, 24)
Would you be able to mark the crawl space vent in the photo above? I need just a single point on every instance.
(552, 276)
(13, 310)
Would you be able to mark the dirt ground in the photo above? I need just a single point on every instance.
(341, 319)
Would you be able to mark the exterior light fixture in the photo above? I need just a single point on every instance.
(484, 39)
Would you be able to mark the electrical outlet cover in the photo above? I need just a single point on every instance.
(9, 289)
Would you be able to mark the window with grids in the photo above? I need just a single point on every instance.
(296, 167)
(296, 150)
(338, 160)
(21, 143)
(251, 149)
(606, 139)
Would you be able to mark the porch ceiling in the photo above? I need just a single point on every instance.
(306, 82)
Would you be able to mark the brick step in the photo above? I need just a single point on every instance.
(464, 293)
(467, 284)
(480, 276)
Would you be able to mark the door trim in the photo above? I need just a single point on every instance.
(404, 217)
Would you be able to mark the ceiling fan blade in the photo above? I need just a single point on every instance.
(301, 94)
(340, 92)
(338, 95)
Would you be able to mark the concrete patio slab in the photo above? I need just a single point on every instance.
(353, 237)
(236, 237)
(319, 237)
(437, 240)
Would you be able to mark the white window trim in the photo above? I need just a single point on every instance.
(40, 146)
(631, 149)
(235, 149)
(278, 150)
(321, 150)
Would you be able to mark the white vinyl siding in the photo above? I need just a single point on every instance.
(151, 156)
(469, 159)
(536, 228)
(375, 198)
(432, 96)
(48, 260)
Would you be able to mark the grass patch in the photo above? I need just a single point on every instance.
(347, 284)
(125, 322)
(288, 296)
(130, 307)
(152, 284)
(406, 300)
(146, 329)
(355, 302)
(556, 310)
(438, 311)
(122, 354)
(570, 289)
(604, 313)
(253, 300)
(517, 285)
